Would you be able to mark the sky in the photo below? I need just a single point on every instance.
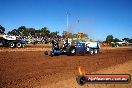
(97, 18)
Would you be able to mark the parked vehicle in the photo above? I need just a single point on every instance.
(12, 41)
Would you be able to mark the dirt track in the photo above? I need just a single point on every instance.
(33, 69)
(125, 68)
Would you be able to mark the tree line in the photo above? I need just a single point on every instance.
(110, 39)
(24, 31)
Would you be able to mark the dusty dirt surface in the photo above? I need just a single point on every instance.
(125, 68)
(30, 68)
(28, 47)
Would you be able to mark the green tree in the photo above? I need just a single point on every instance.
(66, 34)
(31, 31)
(25, 32)
(21, 30)
(44, 31)
(53, 34)
(85, 35)
(37, 33)
(13, 32)
(130, 41)
(109, 39)
(2, 29)
(126, 39)
(116, 40)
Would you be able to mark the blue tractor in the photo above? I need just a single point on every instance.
(72, 48)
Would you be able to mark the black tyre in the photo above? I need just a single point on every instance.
(51, 55)
(23, 45)
(91, 52)
(95, 51)
(19, 45)
(11, 45)
(46, 52)
(71, 51)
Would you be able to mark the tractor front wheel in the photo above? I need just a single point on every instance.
(95, 51)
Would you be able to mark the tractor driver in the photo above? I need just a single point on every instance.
(55, 44)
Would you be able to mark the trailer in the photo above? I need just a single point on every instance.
(72, 48)
(12, 41)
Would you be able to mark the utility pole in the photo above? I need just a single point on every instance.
(67, 18)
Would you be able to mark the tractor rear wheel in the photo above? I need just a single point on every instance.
(91, 52)
(71, 51)
(46, 52)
